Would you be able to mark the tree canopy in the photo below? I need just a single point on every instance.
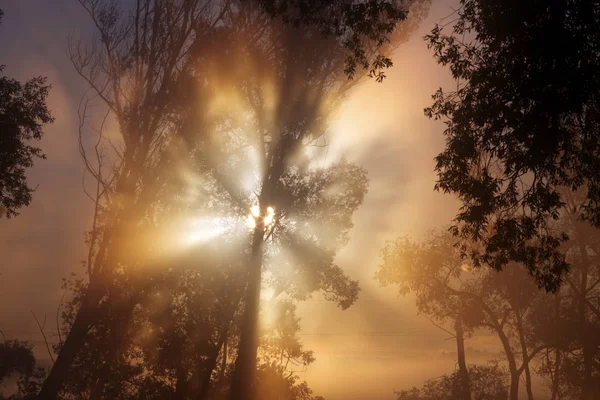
(522, 123)
(23, 112)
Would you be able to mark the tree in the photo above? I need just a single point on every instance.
(448, 287)
(17, 361)
(183, 338)
(309, 73)
(428, 269)
(522, 124)
(16, 357)
(137, 70)
(23, 111)
(151, 66)
(488, 383)
(374, 21)
(569, 323)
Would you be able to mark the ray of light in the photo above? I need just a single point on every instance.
(204, 229)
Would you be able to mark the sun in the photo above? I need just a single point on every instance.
(267, 220)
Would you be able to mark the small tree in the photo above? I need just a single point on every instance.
(446, 288)
(23, 111)
(488, 383)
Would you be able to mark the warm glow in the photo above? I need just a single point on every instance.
(250, 222)
(266, 294)
(268, 306)
(255, 214)
(270, 216)
(204, 229)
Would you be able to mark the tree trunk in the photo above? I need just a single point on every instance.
(512, 364)
(587, 390)
(463, 372)
(556, 376)
(211, 365)
(181, 386)
(86, 317)
(557, 358)
(245, 365)
(117, 335)
(514, 385)
(525, 354)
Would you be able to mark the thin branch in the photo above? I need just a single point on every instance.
(57, 317)
(453, 335)
(41, 327)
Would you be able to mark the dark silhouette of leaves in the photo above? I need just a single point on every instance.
(522, 123)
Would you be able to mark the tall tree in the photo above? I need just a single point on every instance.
(446, 288)
(309, 73)
(570, 322)
(137, 68)
(152, 61)
(418, 268)
(23, 112)
(522, 123)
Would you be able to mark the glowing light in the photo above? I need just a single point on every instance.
(465, 267)
(270, 216)
(204, 229)
(255, 214)
(268, 306)
(266, 294)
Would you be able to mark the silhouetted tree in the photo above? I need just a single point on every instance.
(15, 357)
(136, 68)
(279, 103)
(448, 288)
(183, 337)
(569, 322)
(23, 111)
(487, 382)
(18, 363)
(146, 66)
(354, 22)
(522, 123)
(418, 268)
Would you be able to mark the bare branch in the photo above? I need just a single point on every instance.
(41, 328)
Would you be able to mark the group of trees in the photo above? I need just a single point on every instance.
(215, 105)
(521, 259)
(214, 114)
(554, 336)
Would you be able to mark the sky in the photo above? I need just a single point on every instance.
(366, 352)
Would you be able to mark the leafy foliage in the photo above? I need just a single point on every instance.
(523, 123)
(15, 357)
(448, 289)
(17, 362)
(23, 111)
(355, 22)
(487, 383)
(175, 343)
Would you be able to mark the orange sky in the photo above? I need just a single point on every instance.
(365, 352)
